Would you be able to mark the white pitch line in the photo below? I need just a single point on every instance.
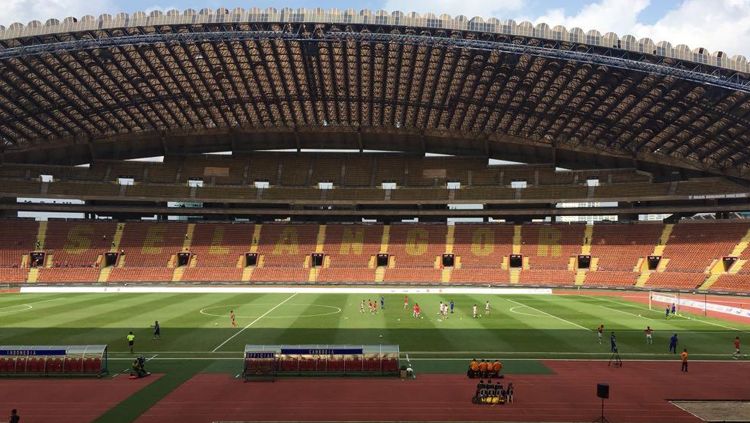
(254, 321)
(548, 314)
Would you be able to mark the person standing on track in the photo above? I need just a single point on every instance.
(684, 358)
(600, 332)
(736, 354)
(157, 330)
(131, 341)
(673, 344)
(649, 332)
(14, 417)
(232, 317)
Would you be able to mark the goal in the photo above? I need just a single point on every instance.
(661, 300)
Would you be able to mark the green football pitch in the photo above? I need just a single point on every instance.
(198, 325)
(197, 335)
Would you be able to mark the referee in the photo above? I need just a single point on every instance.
(131, 341)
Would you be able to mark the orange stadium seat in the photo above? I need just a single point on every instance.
(482, 245)
(609, 279)
(547, 277)
(212, 274)
(287, 245)
(551, 246)
(68, 275)
(13, 275)
(149, 244)
(78, 244)
(416, 245)
(353, 246)
(675, 280)
(347, 275)
(692, 247)
(618, 247)
(407, 275)
(19, 238)
(280, 274)
(221, 244)
(141, 274)
(732, 283)
(480, 276)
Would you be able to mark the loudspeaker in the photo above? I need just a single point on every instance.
(602, 390)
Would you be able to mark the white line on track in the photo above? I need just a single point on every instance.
(550, 315)
(254, 321)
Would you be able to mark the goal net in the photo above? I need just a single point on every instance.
(661, 300)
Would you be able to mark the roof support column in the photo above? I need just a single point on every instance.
(296, 139)
(163, 141)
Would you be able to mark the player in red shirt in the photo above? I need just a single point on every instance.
(417, 311)
(736, 354)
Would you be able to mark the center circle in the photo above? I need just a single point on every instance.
(213, 311)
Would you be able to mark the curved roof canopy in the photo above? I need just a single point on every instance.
(134, 85)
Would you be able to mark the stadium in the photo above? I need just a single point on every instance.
(232, 187)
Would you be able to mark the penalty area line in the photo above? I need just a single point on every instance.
(550, 315)
(254, 321)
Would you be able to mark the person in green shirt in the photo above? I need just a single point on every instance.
(131, 341)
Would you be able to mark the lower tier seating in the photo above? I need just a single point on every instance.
(605, 278)
(676, 280)
(141, 274)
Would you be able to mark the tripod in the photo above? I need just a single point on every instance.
(602, 419)
(614, 361)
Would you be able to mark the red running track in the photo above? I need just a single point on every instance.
(639, 393)
(66, 400)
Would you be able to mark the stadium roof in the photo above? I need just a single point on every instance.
(137, 85)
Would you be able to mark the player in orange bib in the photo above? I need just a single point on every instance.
(684, 357)
(231, 316)
(406, 302)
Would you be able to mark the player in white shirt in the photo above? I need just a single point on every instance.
(487, 308)
(474, 311)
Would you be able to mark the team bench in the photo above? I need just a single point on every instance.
(269, 361)
(53, 360)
